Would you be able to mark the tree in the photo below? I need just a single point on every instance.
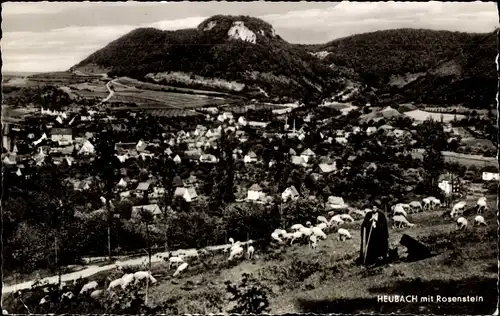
(251, 297)
(224, 172)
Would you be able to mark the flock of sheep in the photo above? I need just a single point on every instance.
(297, 232)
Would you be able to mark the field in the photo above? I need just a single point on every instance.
(462, 159)
(420, 115)
(326, 280)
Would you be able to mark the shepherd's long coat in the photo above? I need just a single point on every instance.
(379, 238)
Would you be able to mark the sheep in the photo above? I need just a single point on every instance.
(357, 213)
(250, 251)
(127, 279)
(68, 295)
(143, 275)
(306, 231)
(346, 217)
(427, 203)
(279, 231)
(481, 205)
(458, 208)
(95, 294)
(296, 235)
(89, 286)
(322, 225)
(416, 206)
(181, 268)
(44, 300)
(287, 236)
(297, 227)
(276, 237)
(322, 219)
(313, 240)
(336, 220)
(400, 221)
(435, 202)
(174, 261)
(479, 220)
(316, 231)
(115, 283)
(462, 223)
(235, 252)
(398, 210)
(343, 234)
(5, 312)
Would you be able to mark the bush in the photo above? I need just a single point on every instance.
(251, 296)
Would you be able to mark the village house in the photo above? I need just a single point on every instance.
(208, 159)
(254, 192)
(153, 209)
(250, 157)
(187, 193)
(141, 146)
(62, 136)
(290, 193)
(490, 176)
(327, 168)
(298, 160)
(177, 159)
(87, 149)
(308, 155)
(143, 187)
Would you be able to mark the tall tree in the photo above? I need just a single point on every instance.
(224, 177)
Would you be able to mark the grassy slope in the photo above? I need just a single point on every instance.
(465, 265)
(325, 280)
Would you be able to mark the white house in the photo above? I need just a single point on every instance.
(341, 140)
(290, 193)
(208, 158)
(154, 209)
(250, 157)
(489, 176)
(307, 155)
(298, 160)
(188, 194)
(62, 135)
(122, 183)
(141, 146)
(87, 148)
(242, 121)
(254, 192)
(177, 159)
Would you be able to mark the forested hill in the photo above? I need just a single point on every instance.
(234, 48)
(419, 65)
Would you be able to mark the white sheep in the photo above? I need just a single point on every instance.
(416, 206)
(462, 223)
(250, 251)
(127, 279)
(279, 231)
(235, 252)
(174, 261)
(481, 205)
(322, 219)
(89, 286)
(400, 221)
(343, 234)
(181, 268)
(287, 236)
(322, 225)
(479, 220)
(115, 283)
(313, 240)
(346, 217)
(336, 220)
(68, 295)
(427, 203)
(458, 208)
(296, 235)
(357, 213)
(296, 226)
(95, 294)
(398, 210)
(316, 231)
(45, 300)
(276, 236)
(435, 202)
(5, 312)
(306, 231)
(143, 275)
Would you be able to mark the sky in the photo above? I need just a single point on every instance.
(53, 36)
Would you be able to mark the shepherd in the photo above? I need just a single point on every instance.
(374, 238)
